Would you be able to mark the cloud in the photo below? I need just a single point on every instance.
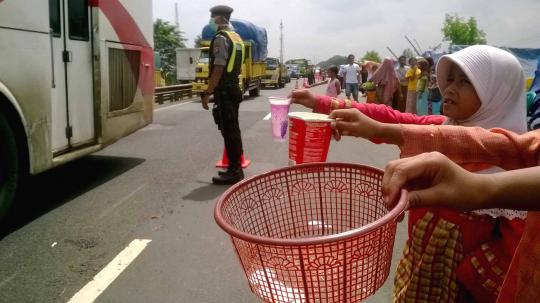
(318, 30)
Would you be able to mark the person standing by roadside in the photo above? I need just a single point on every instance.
(387, 83)
(412, 75)
(341, 76)
(334, 88)
(401, 71)
(352, 78)
(226, 54)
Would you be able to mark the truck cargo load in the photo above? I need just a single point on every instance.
(249, 32)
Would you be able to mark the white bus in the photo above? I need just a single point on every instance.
(75, 76)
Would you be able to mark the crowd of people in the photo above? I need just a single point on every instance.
(410, 88)
(462, 252)
(470, 237)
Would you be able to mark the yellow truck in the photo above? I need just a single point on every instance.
(253, 67)
(276, 73)
(250, 79)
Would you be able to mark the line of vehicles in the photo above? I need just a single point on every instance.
(258, 70)
(78, 75)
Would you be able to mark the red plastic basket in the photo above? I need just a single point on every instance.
(312, 233)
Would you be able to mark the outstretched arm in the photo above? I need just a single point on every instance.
(433, 180)
(471, 146)
(379, 112)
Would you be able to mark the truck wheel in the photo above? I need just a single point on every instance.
(256, 91)
(10, 174)
(281, 83)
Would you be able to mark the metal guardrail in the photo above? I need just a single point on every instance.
(173, 93)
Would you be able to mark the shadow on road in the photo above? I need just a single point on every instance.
(51, 189)
(206, 192)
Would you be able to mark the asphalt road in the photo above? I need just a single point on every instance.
(155, 185)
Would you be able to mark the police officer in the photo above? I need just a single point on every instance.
(226, 56)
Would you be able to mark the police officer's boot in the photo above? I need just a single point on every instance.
(231, 176)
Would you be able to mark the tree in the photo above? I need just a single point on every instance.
(372, 56)
(198, 41)
(462, 32)
(167, 38)
(408, 53)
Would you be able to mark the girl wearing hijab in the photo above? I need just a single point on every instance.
(451, 256)
(387, 82)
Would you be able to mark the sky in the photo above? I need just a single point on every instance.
(318, 30)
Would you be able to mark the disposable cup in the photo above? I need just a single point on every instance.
(309, 137)
(279, 108)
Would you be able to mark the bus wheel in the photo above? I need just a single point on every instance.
(9, 166)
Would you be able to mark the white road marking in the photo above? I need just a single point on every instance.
(172, 106)
(107, 275)
(267, 117)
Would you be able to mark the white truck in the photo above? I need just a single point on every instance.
(186, 63)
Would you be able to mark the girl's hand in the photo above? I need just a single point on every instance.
(352, 122)
(303, 97)
(433, 180)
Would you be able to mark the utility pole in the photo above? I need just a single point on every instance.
(281, 42)
(418, 44)
(176, 16)
(414, 47)
(392, 52)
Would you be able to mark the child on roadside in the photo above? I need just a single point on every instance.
(412, 76)
(334, 87)
(422, 89)
(453, 189)
(448, 271)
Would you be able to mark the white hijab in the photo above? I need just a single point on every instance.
(499, 82)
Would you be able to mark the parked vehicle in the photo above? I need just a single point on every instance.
(186, 63)
(254, 65)
(76, 76)
(276, 73)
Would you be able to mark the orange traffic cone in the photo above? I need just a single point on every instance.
(224, 162)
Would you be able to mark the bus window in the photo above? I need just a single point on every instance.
(78, 20)
(54, 17)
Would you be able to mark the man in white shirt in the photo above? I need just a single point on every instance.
(352, 78)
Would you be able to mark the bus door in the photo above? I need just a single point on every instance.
(72, 96)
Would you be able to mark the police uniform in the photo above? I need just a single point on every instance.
(227, 50)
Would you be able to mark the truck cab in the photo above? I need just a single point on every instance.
(250, 78)
(276, 73)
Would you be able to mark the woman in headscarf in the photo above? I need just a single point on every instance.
(450, 256)
(387, 83)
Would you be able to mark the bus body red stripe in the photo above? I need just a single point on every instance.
(128, 32)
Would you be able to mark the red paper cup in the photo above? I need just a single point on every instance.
(309, 137)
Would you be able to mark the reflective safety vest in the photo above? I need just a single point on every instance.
(236, 57)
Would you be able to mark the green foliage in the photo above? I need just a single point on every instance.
(334, 61)
(166, 40)
(372, 56)
(368, 85)
(462, 32)
(198, 41)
